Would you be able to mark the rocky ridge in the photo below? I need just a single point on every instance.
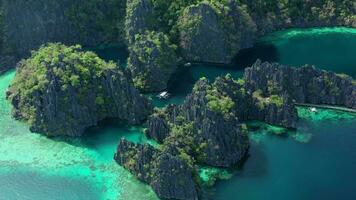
(159, 169)
(207, 128)
(306, 84)
(62, 90)
(152, 61)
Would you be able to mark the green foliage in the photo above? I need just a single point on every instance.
(282, 12)
(168, 12)
(262, 101)
(106, 16)
(152, 55)
(75, 71)
(219, 103)
(184, 139)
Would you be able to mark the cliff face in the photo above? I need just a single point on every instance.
(62, 91)
(226, 142)
(214, 31)
(140, 17)
(158, 169)
(305, 84)
(29, 24)
(253, 105)
(202, 37)
(152, 61)
(222, 141)
(206, 128)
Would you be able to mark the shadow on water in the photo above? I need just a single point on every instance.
(114, 53)
(261, 50)
(184, 78)
(111, 129)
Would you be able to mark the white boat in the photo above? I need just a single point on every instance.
(187, 64)
(313, 109)
(163, 95)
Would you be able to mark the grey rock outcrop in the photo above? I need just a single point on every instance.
(158, 169)
(226, 143)
(202, 38)
(223, 142)
(26, 25)
(173, 179)
(306, 84)
(253, 105)
(140, 17)
(158, 128)
(136, 158)
(62, 99)
(152, 61)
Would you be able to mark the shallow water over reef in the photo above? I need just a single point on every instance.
(317, 161)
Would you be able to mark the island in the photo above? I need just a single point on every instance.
(62, 89)
(209, 127)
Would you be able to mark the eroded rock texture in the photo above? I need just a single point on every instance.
(62, 90)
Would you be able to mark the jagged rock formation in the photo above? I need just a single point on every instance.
(158, 169)
(214, 31)
(140, 17)
(208, 31)
(206, 128)
(62, 90)
(306, 84)
(158, 127)
(222, 140)
(202, 35)
(152, 61)
(253, 105)
(26, 25)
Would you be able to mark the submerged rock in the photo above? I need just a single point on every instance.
(62, 90)
(152, 61)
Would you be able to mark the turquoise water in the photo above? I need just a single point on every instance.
(288, 167)
(317, 161)
(328, 48)
(36, 167)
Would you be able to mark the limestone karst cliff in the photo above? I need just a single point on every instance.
(63, 90)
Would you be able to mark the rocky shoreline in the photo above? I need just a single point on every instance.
(211, 120)
(62, 90)
(195, 31)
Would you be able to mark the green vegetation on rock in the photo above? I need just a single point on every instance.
(106, 16)
(62, 90)
(219, 103)
(152, 60)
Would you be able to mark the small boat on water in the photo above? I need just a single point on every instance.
(163, 95)
(188, 64)
(313, 109)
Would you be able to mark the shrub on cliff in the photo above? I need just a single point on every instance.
(98, 15)
(62, 90)
(152, 61)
